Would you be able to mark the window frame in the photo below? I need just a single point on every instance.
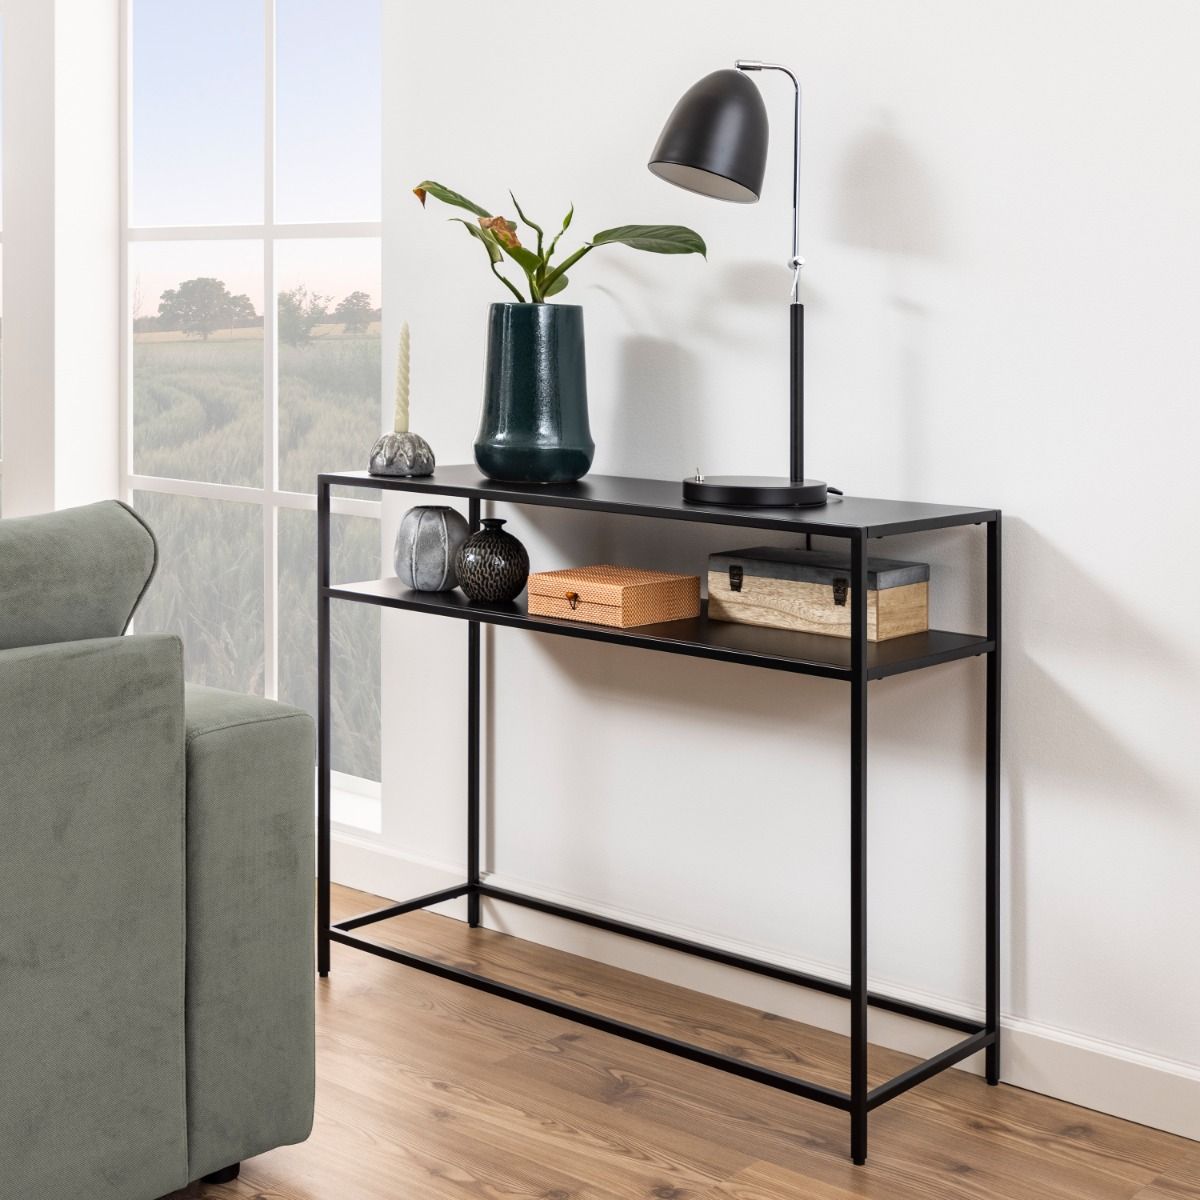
(270, 497)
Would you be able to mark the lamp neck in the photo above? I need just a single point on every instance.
(796, 262)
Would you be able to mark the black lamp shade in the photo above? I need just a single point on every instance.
(715, 140)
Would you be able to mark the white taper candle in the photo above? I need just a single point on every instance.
(402, 381)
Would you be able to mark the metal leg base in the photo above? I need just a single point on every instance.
(858, 1106)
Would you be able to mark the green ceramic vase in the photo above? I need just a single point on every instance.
(535, 418)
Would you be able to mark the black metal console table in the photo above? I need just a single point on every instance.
(853, 660)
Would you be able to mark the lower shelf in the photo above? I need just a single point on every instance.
(700, 637)
(978, 1036)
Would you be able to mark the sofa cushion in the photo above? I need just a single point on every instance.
(250, 895)
(71, 575)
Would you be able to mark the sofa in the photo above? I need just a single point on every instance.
(156, 886)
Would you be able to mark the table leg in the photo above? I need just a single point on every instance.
(858, 849)
(323, 720)
(992, 1065)
(473, 722)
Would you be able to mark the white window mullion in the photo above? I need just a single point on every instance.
(301, 501)
(233, 233)
(125, 382)
(270, 376)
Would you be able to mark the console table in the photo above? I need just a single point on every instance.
(854, 661)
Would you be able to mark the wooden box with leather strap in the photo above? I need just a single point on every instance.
(610, 595)
(809, 591)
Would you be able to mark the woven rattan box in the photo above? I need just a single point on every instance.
(612, 595)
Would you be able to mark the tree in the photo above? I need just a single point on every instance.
(355, 312)
(299, 311)
(241, 313)
(203, 306)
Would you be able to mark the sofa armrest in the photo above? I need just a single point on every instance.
(91, 919)
(250, 921)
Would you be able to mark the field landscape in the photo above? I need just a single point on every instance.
(198, 403)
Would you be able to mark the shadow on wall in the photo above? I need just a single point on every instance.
(656, 406)
(887, 202)
(886, 198)
(663, 401)
(764, 704)
(1052, 740)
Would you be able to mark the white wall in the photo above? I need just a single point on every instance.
(62, 329)
(1000, 218)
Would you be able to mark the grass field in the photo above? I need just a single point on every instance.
(198, 415)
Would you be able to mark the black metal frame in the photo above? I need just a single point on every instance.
(897, 518)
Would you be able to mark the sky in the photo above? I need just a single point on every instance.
(198, 138)
(329, 267)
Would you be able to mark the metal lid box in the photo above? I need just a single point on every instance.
(809, 591)
(618, 596)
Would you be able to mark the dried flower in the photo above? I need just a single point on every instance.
(504, 230)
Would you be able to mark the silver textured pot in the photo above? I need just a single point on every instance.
(427, 544)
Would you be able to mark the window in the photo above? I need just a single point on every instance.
(252, 349)
(1, 314)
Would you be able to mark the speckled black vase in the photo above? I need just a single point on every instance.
(491, 564)
(535, 418)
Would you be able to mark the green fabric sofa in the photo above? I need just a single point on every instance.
(156, 886)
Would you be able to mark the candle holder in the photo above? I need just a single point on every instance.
(400, 452)
(407, 454)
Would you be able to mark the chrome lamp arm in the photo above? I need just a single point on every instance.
(795, 262)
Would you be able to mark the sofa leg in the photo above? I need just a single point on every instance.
(224, 1175)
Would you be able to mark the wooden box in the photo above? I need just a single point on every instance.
(809, 591)
(617, 596)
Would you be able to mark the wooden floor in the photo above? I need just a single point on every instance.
(430, 1091)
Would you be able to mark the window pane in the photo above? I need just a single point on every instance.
(354, 633)
(209, 586)
(198, 360)
(328, 110)
(1, 351)
(197, 112)
(329, 368)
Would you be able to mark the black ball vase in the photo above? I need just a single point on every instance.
(492, 565)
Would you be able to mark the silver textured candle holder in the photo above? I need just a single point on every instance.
(406, 454)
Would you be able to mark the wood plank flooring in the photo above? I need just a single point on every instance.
(429, 1091)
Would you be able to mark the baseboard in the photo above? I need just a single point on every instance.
(1109, 1078)
(1120, 1080)
(359, 861)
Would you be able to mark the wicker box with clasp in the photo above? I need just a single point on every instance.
(618, 596)
(809, 591)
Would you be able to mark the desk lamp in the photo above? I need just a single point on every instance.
(715, 143)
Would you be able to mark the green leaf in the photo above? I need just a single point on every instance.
(557, 286)
(532, 224)
(563, 267)
(657, 239)
(446, 196)
(565, 224)
(493, 246)
(526, 259)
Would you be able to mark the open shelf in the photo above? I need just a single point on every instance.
(775, 649)
(663, 499)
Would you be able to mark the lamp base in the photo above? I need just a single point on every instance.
(755, 491)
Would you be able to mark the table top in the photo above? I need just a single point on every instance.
(662, 498)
